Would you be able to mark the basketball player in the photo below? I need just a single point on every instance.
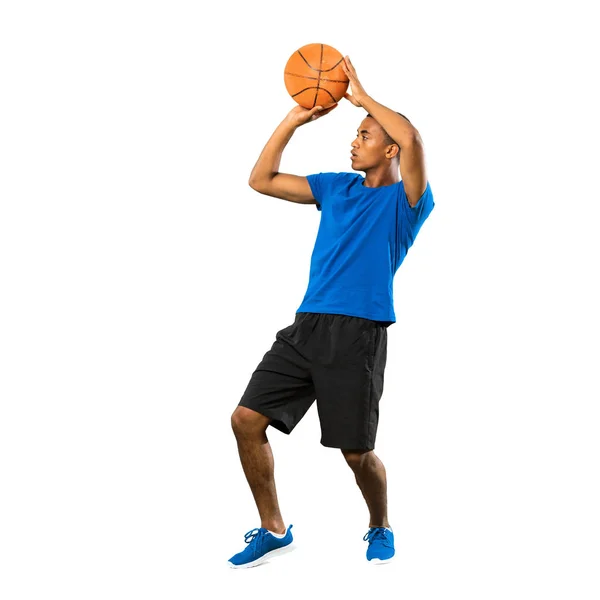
(335, 351)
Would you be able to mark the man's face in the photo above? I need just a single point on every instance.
(368, 147)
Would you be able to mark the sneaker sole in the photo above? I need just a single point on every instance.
(379, 561)
(265, 557)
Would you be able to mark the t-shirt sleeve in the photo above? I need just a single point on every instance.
(320, 185)
(420, 211)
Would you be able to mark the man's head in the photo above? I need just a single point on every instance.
(372, 146)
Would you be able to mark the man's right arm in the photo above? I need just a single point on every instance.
(266, 178)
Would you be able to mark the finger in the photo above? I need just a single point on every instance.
(323, 112)
(316, 112)
(328, 109)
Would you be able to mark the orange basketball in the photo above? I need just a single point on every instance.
(314, 76)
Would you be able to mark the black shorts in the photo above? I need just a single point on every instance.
(336, 360)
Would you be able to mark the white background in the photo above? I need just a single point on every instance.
(142, 281)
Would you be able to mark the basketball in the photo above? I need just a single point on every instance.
(314, 76)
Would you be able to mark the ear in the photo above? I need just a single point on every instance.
(392, 150)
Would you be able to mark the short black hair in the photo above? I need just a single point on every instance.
(387, 139)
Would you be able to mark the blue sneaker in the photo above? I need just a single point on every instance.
(262, 546)
(381, 545)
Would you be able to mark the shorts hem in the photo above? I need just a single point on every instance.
(366, 448)
(275, 422)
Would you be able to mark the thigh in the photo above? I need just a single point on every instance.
(281, 387)
(349, 384)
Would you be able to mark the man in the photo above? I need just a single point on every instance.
(335, 351)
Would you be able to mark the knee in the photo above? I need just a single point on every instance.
(356, 458)
(245, 421)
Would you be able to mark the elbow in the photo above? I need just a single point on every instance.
(258, 184)
(255, 184)
(414, 139)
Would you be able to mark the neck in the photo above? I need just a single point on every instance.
(378, 177)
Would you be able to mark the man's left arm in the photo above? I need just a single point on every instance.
(412, 155)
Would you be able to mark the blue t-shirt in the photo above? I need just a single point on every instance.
(363, 238)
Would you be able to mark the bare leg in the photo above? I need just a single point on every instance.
(371, 479)
(256, 457)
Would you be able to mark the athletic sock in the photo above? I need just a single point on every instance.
(277, 535)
